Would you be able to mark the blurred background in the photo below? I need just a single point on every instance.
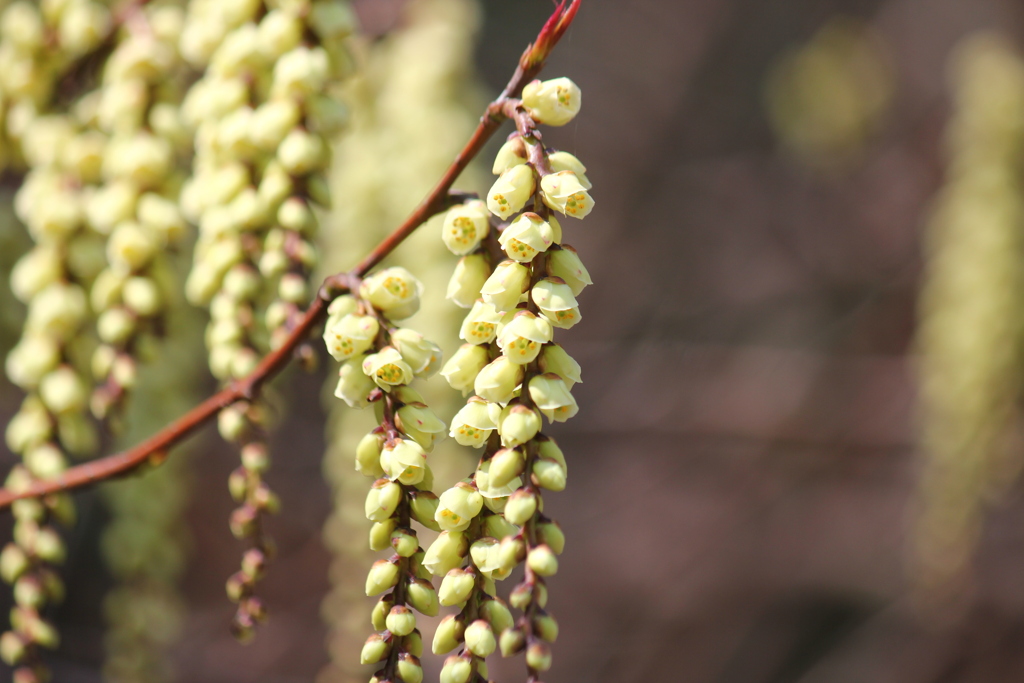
(746, 496)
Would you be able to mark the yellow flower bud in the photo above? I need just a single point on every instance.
(456, 670)
(382, 500)
(29, 361)
(549, 474)
(63, 391)
(400, 620)
(555, 360)
(448, 635)
(387, 369)
(463, 367)
(497, 382)
(511, 191)
(458, 506)
(446, 552)
(456, 587)
(422, 596)
(563, 192)
(512, 153)
(350, 335)
(464, 226)
(518, 424)
(486, 556)
(57, 311)
(394, 291)
(30, 425)
(404, 461)
(542, 561)
(553, 102)
(374, 650)
(546, 628)
(380, 534)
(368, 455)
(521, 507)
(39, 268)
(505, 286)
(409, 669)
(142, 295)
(422, 507)
(506, 465)
(473, 423)
(302, 152)
(526, 236)
(550, 534)
(565, 264)
(422, 355)
(383, 575)
(538, 656)
(380, 612)
(279, 31)
(496, 612)
(299, 72)
(480, 638)
(471, 272)
(512, 642)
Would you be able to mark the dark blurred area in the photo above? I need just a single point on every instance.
(744, 456)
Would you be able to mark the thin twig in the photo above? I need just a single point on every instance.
(156, 448)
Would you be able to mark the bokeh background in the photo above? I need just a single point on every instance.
(745, 463)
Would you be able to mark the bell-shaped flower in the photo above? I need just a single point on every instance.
(458, 506)
(518, 424)
(473, 423)
(563, 192)
(556, 302)
(393, 291)
(421, 424)
(465, 226)
(404, 461)
(563, 161)
(523, 337)
(480, 325)
(350, 335)
(387, 368)
(554, 359)
(511, 191)
(526, 236)
(565, 263)
(485, 554)
(342, 306)
(512, 153)
(446, 552)
(470, 274)
(498, 381)
(422, 355)
(494, 494)
(554, 102)
(354, 386)
(505, 287)
(553, 398)
(463, 367)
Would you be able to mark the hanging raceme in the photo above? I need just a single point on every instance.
(243, 158)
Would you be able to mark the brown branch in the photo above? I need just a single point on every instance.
(156, 448)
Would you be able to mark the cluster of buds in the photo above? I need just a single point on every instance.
(39, 41)
(261, 117)
(135, 208)
(494, 520)
(379, 360)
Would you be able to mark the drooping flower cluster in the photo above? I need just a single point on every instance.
(379, 361)
(261, 117)
(494, 520)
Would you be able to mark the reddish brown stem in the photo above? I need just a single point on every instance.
(156, 447)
